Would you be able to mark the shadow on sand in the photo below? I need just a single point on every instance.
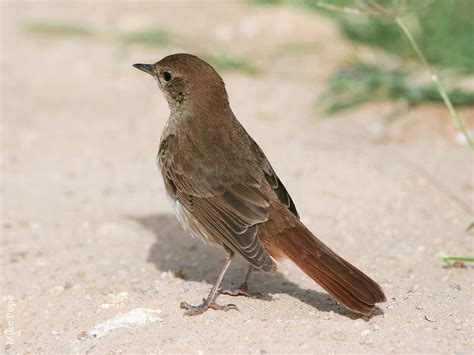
(174, 250)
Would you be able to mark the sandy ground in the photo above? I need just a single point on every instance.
(92, 258)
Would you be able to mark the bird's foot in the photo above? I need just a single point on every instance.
(243, 290)
(204, 306)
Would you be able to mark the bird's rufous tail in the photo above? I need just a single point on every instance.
(342, 280)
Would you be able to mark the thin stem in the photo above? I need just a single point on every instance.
(347, 10)
(379, 11)
(448, 258)
(437, 82)
(458, 258)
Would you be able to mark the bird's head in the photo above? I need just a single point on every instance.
(186, 80)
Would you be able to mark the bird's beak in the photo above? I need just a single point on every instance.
(147, 68)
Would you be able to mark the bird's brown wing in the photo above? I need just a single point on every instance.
(217, 210)
(274, 181)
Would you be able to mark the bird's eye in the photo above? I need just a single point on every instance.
(166, 76)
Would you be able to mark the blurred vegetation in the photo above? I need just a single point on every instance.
(153, 37)
(58, 29)
(360, 82)
(230, 62)
(296, 49)
(456, 260)
(443, 29)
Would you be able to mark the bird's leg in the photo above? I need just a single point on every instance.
(210, 301)
(243, 290)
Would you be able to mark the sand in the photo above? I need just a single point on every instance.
(92, 257)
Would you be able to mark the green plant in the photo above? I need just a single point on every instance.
(360, 82)
(456, 258)
(153, 36)
(58, 29)
(394, 10)
(231, 62)
(443, 28)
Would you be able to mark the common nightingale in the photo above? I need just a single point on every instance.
(224, 190)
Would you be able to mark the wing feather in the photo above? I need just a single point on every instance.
(218, 209)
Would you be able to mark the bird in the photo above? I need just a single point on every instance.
(224, 190)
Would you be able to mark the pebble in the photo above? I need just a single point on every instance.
(329, 315)
(107, 306)
(368, 341)
(118, 297)
(338, 335)
(167, 275)
(58, 289)
(455, 287)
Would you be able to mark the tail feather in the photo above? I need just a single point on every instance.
(342, 280)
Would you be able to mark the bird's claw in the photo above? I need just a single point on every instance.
(204, 306)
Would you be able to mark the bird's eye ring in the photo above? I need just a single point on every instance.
(166, 76)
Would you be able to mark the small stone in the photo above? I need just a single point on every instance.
(368, 341)
(117, 298)
(329, 315)
(338, 334)
(455, 287)
(82, 335)
(58, 289)
(178, 273)
(459, 264)
(166, 275)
